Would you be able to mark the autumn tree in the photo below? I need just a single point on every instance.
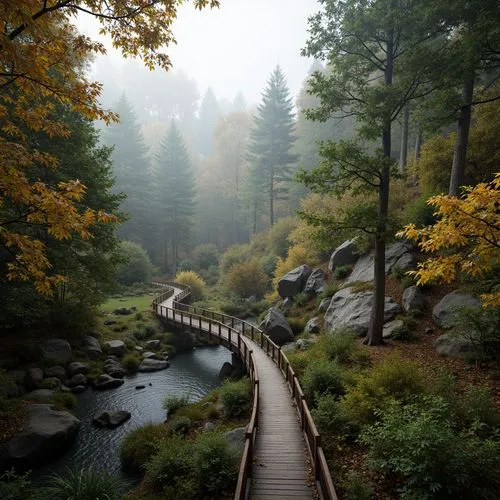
(42, 58)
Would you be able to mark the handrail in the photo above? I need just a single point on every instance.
(312, 437)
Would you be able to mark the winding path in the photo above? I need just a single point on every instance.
(278, 458)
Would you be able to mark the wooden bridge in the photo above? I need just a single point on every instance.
(282, 457)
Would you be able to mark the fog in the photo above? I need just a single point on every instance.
(230, 49)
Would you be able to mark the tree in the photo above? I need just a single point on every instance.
(175, 191)
(272, 139)
(42, 58)
(380, 56)
(209, 115)
(136, 266)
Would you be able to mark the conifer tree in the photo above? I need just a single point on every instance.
(175, 192)
(272, 140)
(209, 115)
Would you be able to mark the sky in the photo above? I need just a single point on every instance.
(237, 46)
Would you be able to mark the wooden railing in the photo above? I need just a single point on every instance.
(215, 323)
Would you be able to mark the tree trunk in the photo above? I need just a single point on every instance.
(271, 198)
(403, 156)
(418, 145)
(462, 140)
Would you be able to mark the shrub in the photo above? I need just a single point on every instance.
(342, 346)
(268, 264)
(279, 242)
(190, 278)
(297, 325)
(235, 254)
(328, 415)
(64, 400)
(205, 256)
(216, 466)
(301, 299)
(83, 484)
(246, 279)
(180, 425)
(140, 445)
(476, 405)
(356, 487)
(173, 402)
(137, 266)
(323, 377)
(330, 290)
(417, 442)
(236, 396)
(299, 361)
(131, 362)
(15, 486)
(341, 272)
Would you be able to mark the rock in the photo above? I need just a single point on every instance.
(447, 345)
(34, 378)
(77, 389)
(343, 255)
(139, 348)
(324, 304)
(111, 419)
(57, 350)
(363, 270)
(115, 347)
(276, 326)
(46, 434)
(148, 354)
(315, 284)
(390, 327)
(406, 262)
(122, 311)
(289, 347)
(303, 344)
(444, 312)
(428, 330)
(293, 282)
(140, 387)
(226, 371)
(75, 368)
(104, 381)
(236, 438)
(109, 322)
(153, 365)
(52, 383)
(65, 388)
(40, 396)
(209, 426)
(313, 326)
(114, 368)
(413, 299)
(352, 310)
(78, 379)
(55, 371)
(153, 344)
(92, 347)
(286, 305)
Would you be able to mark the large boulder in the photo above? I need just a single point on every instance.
(114, 368)
(226, 371)
(34, 378)
(104, 382)
(55, 371)
(236, 438)
(313, 326)
(445, 310)
(343, 255)
(115, 347)
(40, 396)
(391, 327)
(454, 347)
(92, 347)
(276, 326)
(153, 365)
(413, 299)
(56, 350)
(77, 380)
(363, 270)
(324, 304)
(46, 434)
(352, 310)
(111, 419)
(75, 368)
(315, 284)
(153, 344)
(293, 282)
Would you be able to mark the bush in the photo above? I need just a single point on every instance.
(328, 416)
(174, 402)
(341, 272)
(190, 278)
(330, 290)
(417, 442)
(137, 267)
(246, 279)
(268, 264)
(64, 400)
(235, 254)
(323, 377)
(205, 256)
(180, 425)
(278, 235)
(356, 487)
(131, 362)
(297, 325)
(342, 346)
(15, 486)
(216, 466)
(236, 397)
(301, 299)
(140, 445)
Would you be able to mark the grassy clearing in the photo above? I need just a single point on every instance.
(141, 302)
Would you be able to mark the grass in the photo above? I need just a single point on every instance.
(141, 302)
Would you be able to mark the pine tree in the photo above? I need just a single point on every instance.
(175, 192)
(272, 139)
(209, 115)
(132, 174)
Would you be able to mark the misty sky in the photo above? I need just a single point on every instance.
(237, 46)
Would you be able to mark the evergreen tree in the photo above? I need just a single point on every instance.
(272, 140)
(175, 192)
(132, 174)
(209, 115)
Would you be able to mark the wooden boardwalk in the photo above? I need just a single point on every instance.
(280, 466)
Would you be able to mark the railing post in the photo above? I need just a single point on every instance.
(317, 444)
(261, 340)
(252, 333)
(190, 323)
(279, 357)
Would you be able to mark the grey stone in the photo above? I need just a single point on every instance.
(153, 365)
(138, 387)
(57, 350)
(352, 310)
(226, 371)
(46, 434)
(111, 419)
(413, 299)
(104, 381)
(445, 310)
(390, 327)
(447, 345)
(139, 348)
(236, 438)
(344, 254)
(406, 262)
(276, 326)
(209, 426)
(148, 354)
(324, 304)
(287, 305)
(303, 344)
(76, 367)
(92, 347)
(34, 378)
(289, 347)
(313, 326)
(109, 322)
(78, 389)
(65, 388)
(40, 396)
(78, 379)
(293, 282)
(315, 284)
(113, 368)
(55, 371)
(153, 344)
(428, 330)
(122, 311)
(115, 347)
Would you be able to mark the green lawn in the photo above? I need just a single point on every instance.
(142, 302)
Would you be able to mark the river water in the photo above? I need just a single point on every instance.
(193, 373)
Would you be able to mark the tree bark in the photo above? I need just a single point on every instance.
(271, 198)
(403, 155)
(462, 141)
(418, 145)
